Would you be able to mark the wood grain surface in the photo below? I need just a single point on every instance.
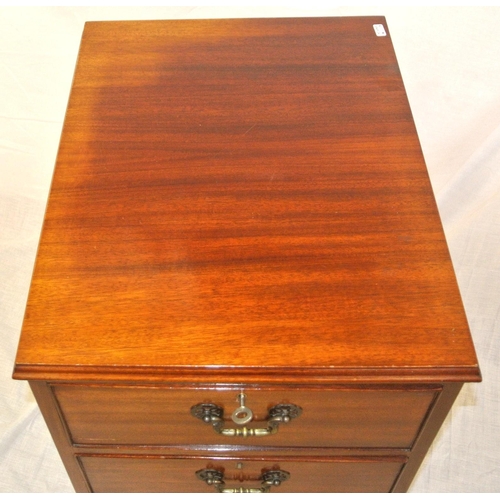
(234, 194)
(341, 417)
(177, 475)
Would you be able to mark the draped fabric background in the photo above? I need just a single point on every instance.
(450, 62)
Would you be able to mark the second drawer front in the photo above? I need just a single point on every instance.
(161, 417)
(177, 475)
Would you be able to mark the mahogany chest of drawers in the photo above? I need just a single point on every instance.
(242, 282)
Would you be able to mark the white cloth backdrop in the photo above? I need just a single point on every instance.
(450, 61)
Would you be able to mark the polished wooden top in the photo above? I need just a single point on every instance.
(242, 199)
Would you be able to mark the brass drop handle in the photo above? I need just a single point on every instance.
(213, 414)
(215, 478)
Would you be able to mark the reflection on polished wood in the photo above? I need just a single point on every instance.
(242, 205)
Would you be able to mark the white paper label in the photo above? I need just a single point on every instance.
(379, 29)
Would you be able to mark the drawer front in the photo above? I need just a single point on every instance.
(158, 416)
(176, 475)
